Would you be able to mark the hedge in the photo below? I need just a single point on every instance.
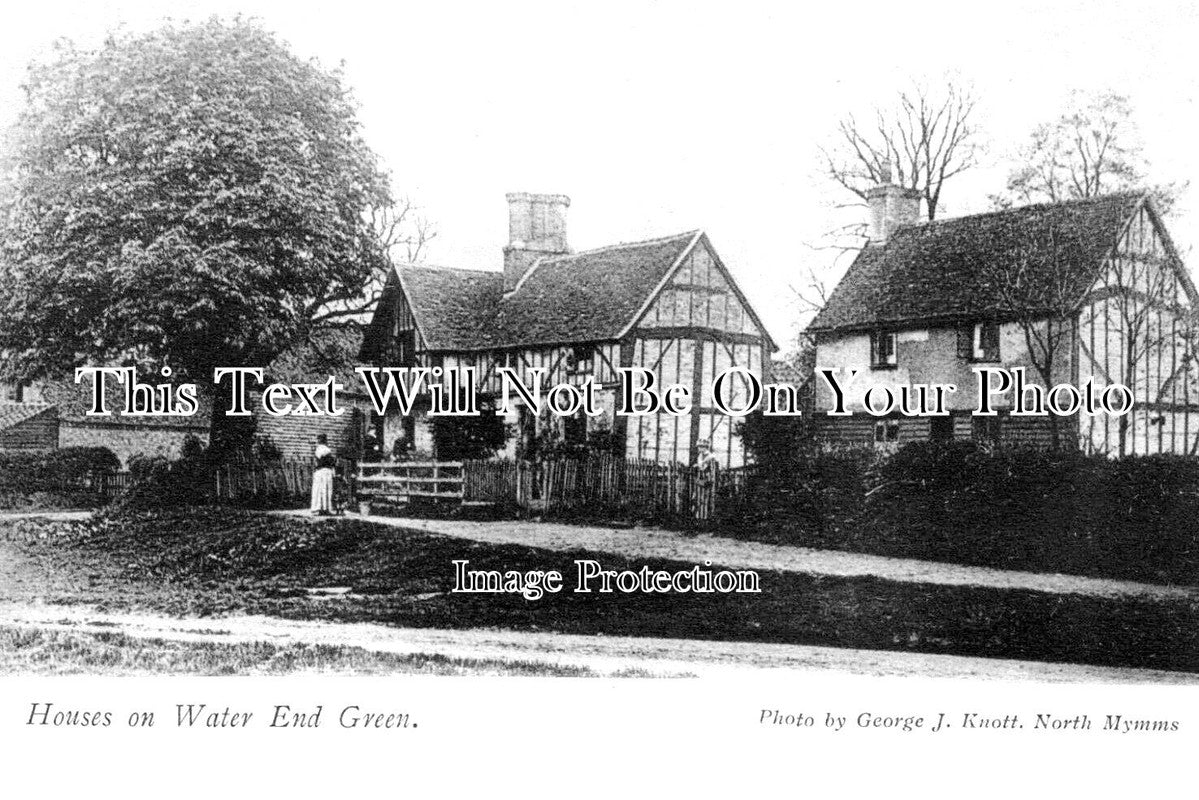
(1135, 518)
(51, 470)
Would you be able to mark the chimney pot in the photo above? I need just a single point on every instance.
(885, 170)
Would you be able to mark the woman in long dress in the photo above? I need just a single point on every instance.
(322, 477)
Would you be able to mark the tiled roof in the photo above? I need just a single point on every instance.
(455, 309)
(933, 270)
(12, 414)
(587, 296)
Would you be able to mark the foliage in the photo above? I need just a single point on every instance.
(54, 469)
(797, 484)
(1134, 518)
(80, 461)
(457, 438)
(54, 479)
(159, 483)
(266, 450)
(777, 443)
(196, 196)
(550, 444)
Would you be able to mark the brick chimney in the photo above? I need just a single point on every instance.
(536, 229)
(890, 207)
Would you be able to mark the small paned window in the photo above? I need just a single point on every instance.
(986, 341)
(979, 342)
(882, 349)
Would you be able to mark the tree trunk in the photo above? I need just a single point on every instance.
(230, 438)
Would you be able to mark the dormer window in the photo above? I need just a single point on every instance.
(979, 342)
(882, 350)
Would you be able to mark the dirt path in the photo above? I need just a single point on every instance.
(604, 655)
(735, 553)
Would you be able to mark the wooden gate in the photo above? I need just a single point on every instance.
(401, 481)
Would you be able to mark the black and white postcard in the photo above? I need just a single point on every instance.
(627, 399)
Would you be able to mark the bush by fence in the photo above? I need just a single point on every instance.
(51, 470)
(72, 477)
(264, 483)
(1133, 518)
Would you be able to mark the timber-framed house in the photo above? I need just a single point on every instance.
(669, 305)
(927, 302)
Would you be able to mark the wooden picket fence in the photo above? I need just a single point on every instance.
(496, 481)
(602, 484)
(287, 481)
(111, 484)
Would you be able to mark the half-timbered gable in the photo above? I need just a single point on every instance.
(667, 304)
(697, 326)
(926, 303)
(1134, 330)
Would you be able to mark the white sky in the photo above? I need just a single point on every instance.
(662, 117)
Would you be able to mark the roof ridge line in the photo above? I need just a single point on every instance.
(1130, 194)
(444, 268)
(656, 240)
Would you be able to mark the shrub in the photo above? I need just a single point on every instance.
(777, 442)
(52, 470)
(79, 461)
(1135, 518)
(264, 450)
(805, 497)
(460, 438)
(158, 483)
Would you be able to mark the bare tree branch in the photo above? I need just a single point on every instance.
(925, 139)
(403, 234)
(1093, 148)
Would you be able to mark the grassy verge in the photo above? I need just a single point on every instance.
(53, 652)
(205, 562)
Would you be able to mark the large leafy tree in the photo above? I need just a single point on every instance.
(192, 197)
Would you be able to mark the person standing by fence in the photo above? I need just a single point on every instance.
(322, 477)
(707, 467)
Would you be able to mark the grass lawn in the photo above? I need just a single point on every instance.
(53, 652)
(209, 562)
